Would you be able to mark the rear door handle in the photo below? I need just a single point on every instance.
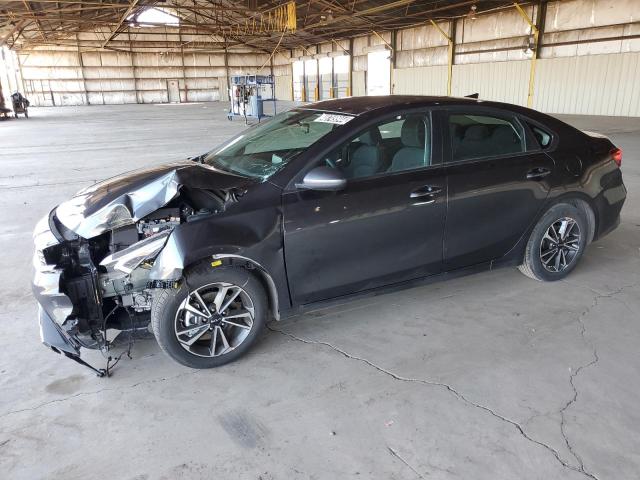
(538, 173)
(426, 191)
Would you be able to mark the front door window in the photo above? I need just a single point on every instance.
(397, 144)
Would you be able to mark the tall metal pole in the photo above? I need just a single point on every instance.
(451, 52)
(536, 44)
(81, 64)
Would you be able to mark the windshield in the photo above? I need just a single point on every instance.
(264, 149)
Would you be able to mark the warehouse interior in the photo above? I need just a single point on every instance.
(548, 55)
(489, 376)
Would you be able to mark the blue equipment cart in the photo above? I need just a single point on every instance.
(247, 94)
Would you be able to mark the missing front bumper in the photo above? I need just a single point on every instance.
(54, 337)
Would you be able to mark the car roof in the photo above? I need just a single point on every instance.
(360, 105)
(364, 105)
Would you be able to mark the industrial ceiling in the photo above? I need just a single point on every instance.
(263, 25)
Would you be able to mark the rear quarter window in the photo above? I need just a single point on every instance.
(543, 137)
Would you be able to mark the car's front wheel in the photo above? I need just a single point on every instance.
(556, 243)
(213, 318)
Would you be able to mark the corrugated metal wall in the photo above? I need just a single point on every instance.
(358, 83)
(66, 76)
(420, 81)
(500, 81)
(589, 63)
(72, 78)
(589, 85)
(10, 77)
(283, 87)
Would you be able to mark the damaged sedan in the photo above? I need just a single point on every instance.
(330, 200)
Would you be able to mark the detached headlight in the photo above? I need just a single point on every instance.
(130, 258)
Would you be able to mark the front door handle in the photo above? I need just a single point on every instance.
(538, 173)
(426, 191)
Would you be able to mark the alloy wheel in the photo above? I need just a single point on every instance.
(560, 245)
(214, 319)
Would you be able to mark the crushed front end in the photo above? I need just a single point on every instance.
(97, 256)
(85, 287)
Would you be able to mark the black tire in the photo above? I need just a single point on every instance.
(165, 315)
(533, 265)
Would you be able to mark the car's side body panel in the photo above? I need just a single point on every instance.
(370, 234)
(491, 204)
(249, 231)
(492, 201)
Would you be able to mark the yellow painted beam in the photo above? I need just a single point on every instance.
(381, 38)
(449, 55)
(532, 69)
(521, 11)
(293, 79)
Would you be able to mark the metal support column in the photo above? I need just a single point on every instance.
(293, 79)
(536, 44)
(451, 42)
(227, 84)
(184, 73)
(81, 64)
(133, 68)
(350, 87)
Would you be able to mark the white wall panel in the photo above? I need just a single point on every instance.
(63, 76)
(69, 98)
(574, 14)
(498, 81)
(359, 87)
(589, 85)
(283, 87)
(420, 81)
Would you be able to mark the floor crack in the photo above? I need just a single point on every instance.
(95, 392)
(399, 457)
(451, 390)
(576, 372)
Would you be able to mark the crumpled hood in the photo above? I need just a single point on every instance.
(126, 198)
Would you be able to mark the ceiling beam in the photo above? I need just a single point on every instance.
(132, 5)
(15, 28)
(28, 7)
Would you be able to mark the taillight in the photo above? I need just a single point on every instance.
(616, 155)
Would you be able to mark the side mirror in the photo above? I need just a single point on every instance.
(323, 178)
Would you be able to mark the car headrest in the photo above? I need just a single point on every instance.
(412, 133)
(371, 137)
(504, 134)
(476, 132)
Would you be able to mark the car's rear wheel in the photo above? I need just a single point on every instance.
(556, 243)
(213, 318)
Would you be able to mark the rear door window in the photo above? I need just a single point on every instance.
(480, 136)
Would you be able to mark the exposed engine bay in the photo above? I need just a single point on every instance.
(107, 277)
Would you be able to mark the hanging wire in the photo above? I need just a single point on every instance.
(274, 51)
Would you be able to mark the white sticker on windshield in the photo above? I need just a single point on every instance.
(334, 118)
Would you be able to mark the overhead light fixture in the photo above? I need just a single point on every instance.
(326, 16)
(472, 12)
(529, 50)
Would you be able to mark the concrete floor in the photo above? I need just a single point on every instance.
(492, 376)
